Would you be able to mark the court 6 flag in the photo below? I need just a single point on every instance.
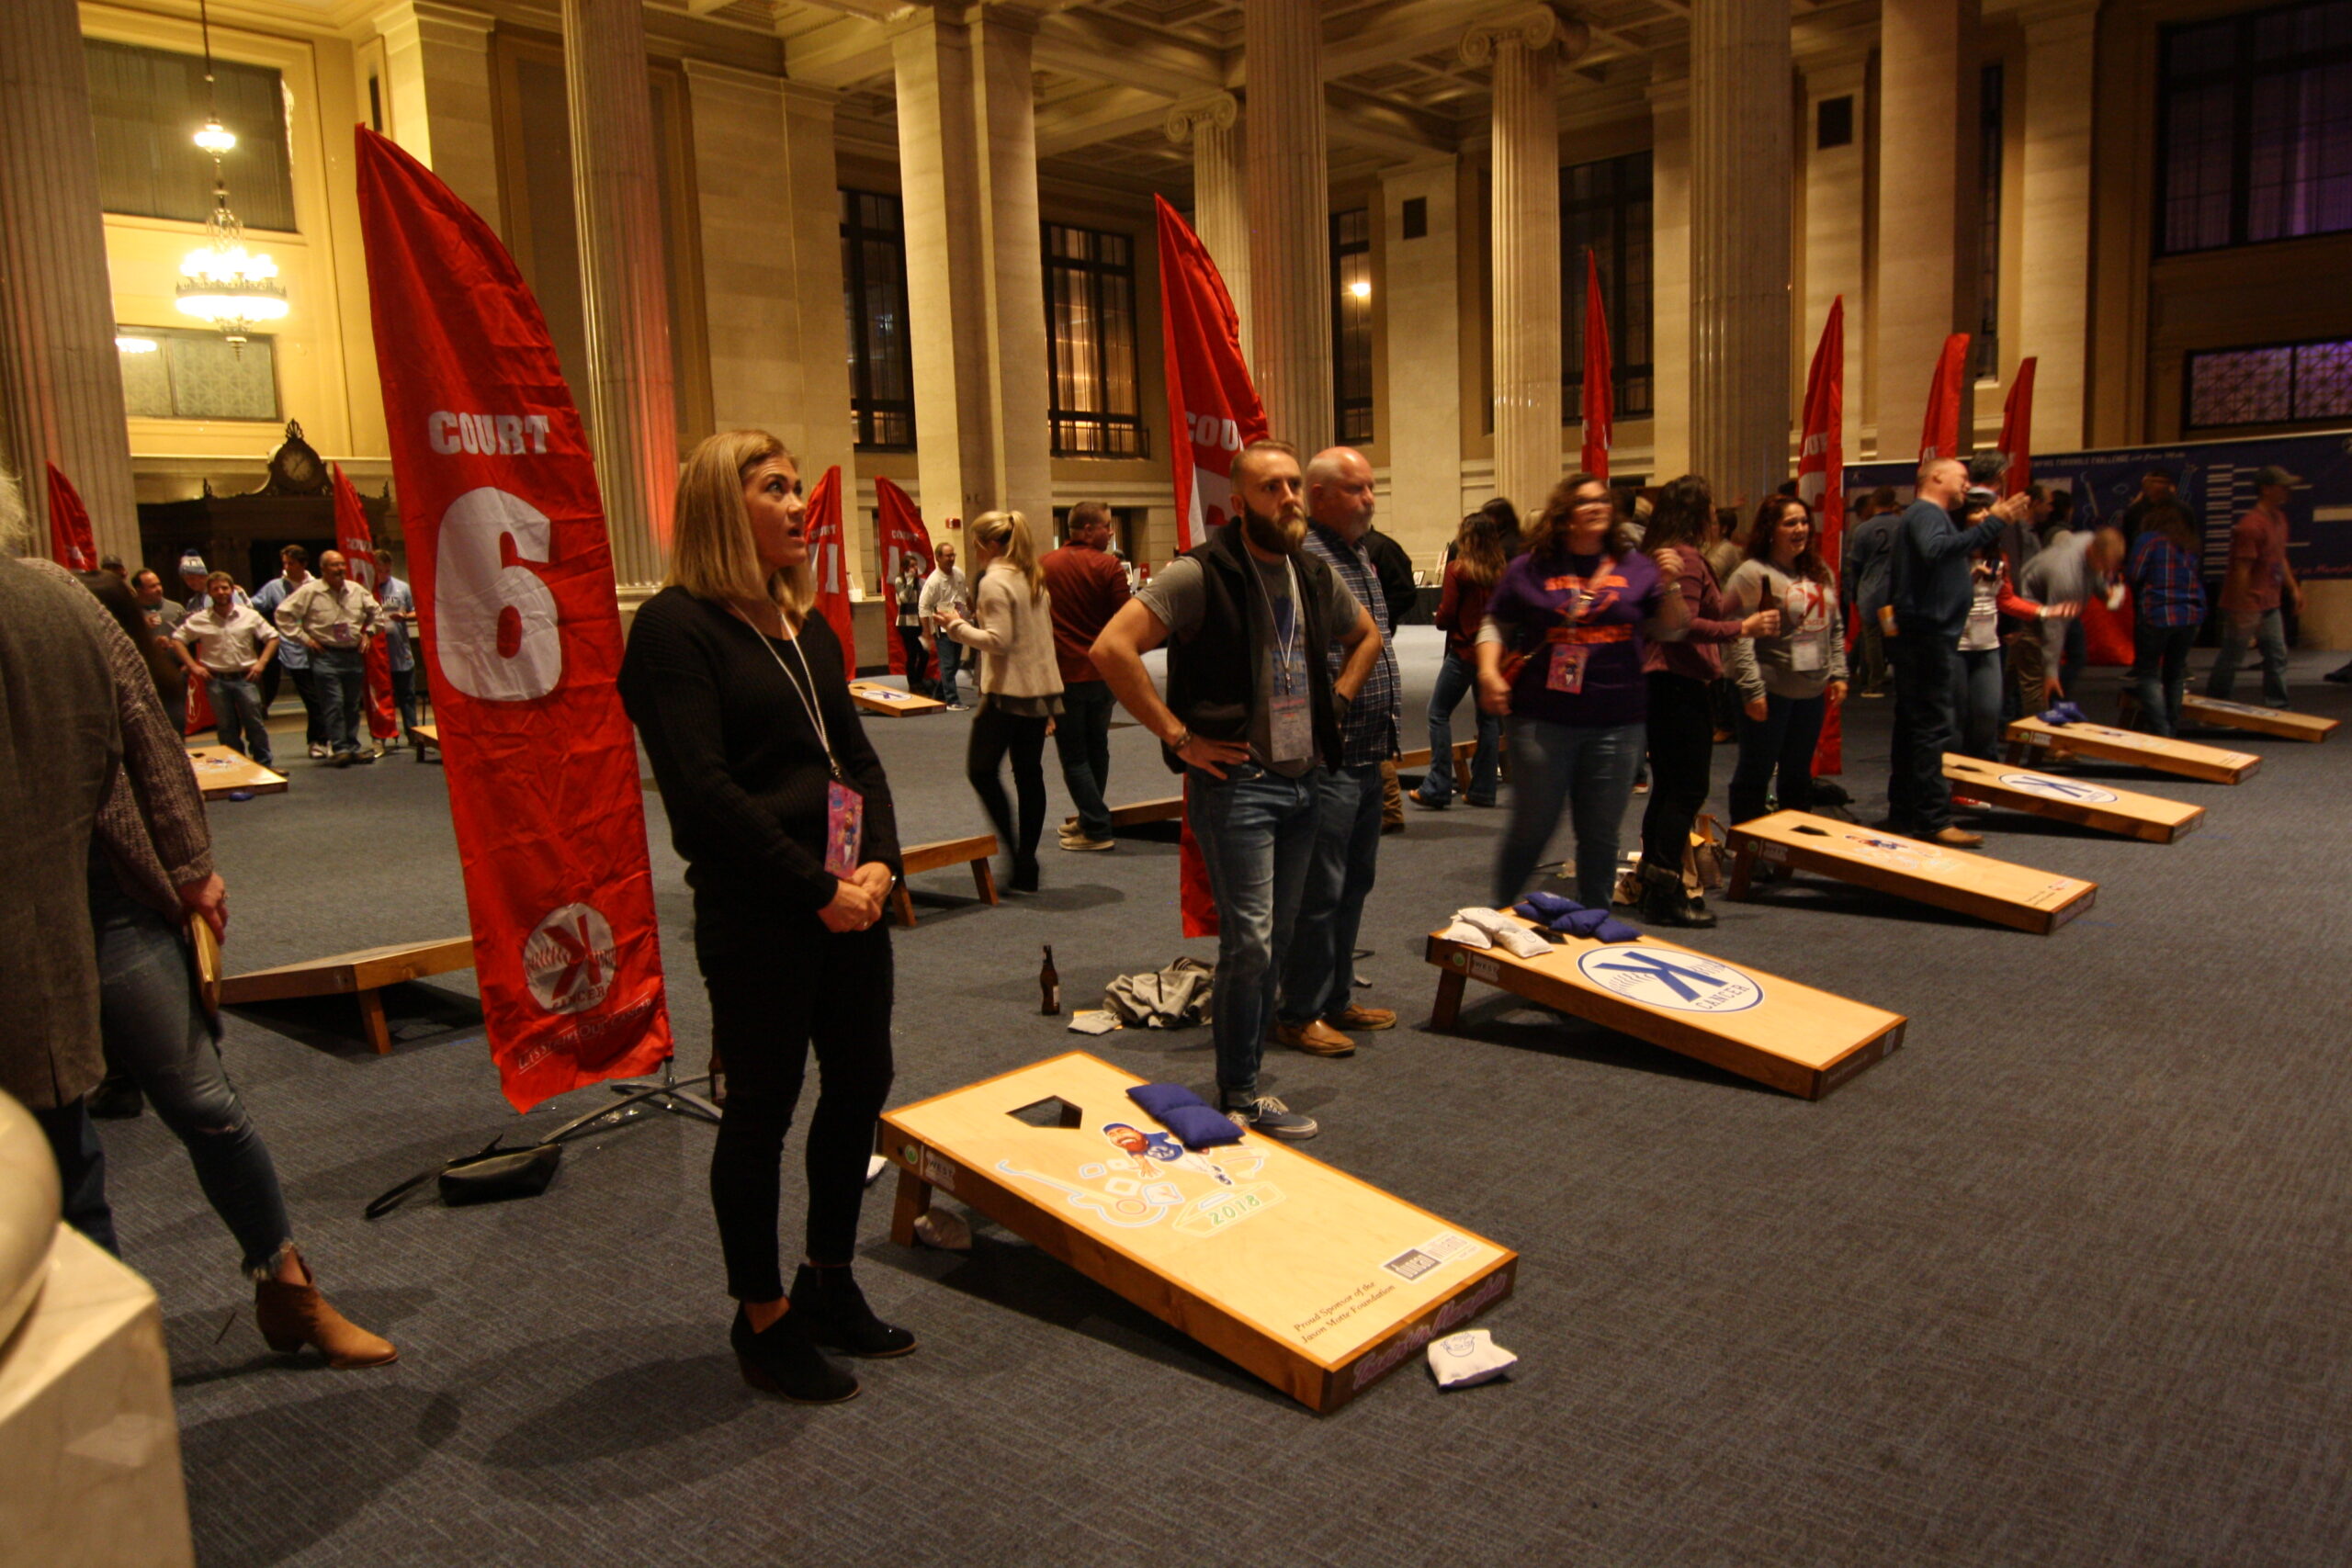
(1213, 406)
(513, 572)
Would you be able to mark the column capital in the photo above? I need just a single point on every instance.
(1217, 111)
(1532, 25)
(435, 22)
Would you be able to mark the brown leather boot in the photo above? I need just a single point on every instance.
(294, 1315)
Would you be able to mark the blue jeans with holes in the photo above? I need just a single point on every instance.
(2267, 629)
(1256, 831)
(1458, 678)
(237, 716)
(1319, 972)
(1588, 772)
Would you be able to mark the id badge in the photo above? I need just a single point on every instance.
(1805, 654)
(1290, 728)
(1567, 673)
(844, 826)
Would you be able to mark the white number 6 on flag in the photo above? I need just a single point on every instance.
(480, 652)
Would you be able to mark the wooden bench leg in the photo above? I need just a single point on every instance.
(983, 878)
(372, 1018)
(1742, 867)
(1449, 998)
(913, 1202)
(905, 906)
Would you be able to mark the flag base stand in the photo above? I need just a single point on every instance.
(669, 1092)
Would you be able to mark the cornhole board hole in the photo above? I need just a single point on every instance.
(423, 736)
(939, 854)
(2030, 739)
(876, 697)
(220, 771)
(1960, 880)
(2146, 817)
(1295, 1271)
(2281, 722)
(363, 974)
(1783, 1035)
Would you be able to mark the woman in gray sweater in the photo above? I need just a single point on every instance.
(1786, 683)
(1021, 686)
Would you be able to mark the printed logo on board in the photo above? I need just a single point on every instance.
(1434, 1253)
(1680, 982)
(2060, 789)
(568, 959)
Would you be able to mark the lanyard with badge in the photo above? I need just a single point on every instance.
(1290, 730)
(844, 808)
(1566, 672)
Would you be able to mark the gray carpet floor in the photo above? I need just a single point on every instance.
(2061, 1283)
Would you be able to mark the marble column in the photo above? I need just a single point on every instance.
(439, 98)
(1835, 197)
(1220, 193)
(1669, 97)
(1524, 46)
(1290, 222)
(624, 284)
(1422, 422)
(1742, 181)
(968, 163)
(60, 384)
(2054, 284)
(1928, 208)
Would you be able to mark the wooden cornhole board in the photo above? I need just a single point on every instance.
(1295, 1271)
(220, 771)
(2029, 738)
(1744, 1020)
(1995, 890)
(2146, 817)
(941, 853)
(1135, 813)
(2281, 722)
(363, 974)
(876, 697)
(422, 736)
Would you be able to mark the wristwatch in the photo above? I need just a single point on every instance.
(1183, 739)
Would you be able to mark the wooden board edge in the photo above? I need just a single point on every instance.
(1869, 1053)
(1489, 1287)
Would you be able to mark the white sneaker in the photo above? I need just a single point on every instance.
(318, 750)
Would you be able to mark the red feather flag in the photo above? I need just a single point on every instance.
(1821, 481)
(70, 544)
(512, 571)
(1212, 408)
(357, 543)
(829, 565)
(1941, 438)
(903, 535)
(1598, 392)
(2016, 431)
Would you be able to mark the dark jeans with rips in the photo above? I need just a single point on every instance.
(1319, 972)
(81, 1171)
(781, 984)
(1781, 742)
(996, 734)
(1256, 832)
(1918, 801)
(1682, 752)
(1082, 740)
(2160, 674)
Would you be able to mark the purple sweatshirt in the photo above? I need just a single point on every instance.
(1531, 603)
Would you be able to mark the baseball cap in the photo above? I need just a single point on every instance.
(2272, 474)
(192, 564)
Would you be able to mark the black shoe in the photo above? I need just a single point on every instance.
(1024, 876)
(116, 1098)
(1425, 802)
(2341, 677)
(780, 1360)
(1664, 903)
(833, 1313)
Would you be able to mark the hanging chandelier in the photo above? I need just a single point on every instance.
(220, 281)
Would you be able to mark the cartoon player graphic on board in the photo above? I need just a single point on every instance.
(1145, 1148)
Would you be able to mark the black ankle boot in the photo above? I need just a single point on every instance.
(1664, 903)
(782, 1358)
(833, 1313)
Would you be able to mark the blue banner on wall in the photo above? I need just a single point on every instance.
(2216, 483)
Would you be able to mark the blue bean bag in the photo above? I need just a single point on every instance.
(1198, 1123)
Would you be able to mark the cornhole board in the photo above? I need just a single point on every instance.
(1783, 1035)
(220, 771)
(2146, 817)
(363, 974)
(1295, 1271)
(876, 697)
(2281, 722)
(940, 853)
(1972, 884)
(1135, 814)
(2029, 738)
(422, 736)
(1463, 751)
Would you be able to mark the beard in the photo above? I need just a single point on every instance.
(1284, 532)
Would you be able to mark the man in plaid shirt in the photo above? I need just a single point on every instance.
(1317, 1002)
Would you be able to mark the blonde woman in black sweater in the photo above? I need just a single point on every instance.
(780, 810)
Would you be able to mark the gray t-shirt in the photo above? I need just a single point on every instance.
(2059, 573)
(1282, 731)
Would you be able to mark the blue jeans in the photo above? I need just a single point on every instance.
(2160, 673)
(1457, 678)
(1256, 832)
(1318, 973)
(1782, 741)
(1976, 690)
(1082, 740)
(2265, 628)
(951, 661)
(339, 677)
(1588, 772)
(1919, 800)
(81, 1171)
(237, 716)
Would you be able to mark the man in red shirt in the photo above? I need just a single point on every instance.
(2258, 577)
(1088, 587)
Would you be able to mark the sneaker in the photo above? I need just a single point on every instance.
(1263, 1113)
(1358, 1016)
(1315, 1037)
(1957, 838)
(954, 707)
(318, 750)
(1080, 842)
(2341, 677)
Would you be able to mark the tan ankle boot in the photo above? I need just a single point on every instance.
(294, 1315)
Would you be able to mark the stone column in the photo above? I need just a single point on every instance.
(1835, 197)
(2054, 284)
(1928, 208)
(59, 381)
(975, 269)
(1669, 97)
(1220, 195)
(1742, 181)
(624, 284)
(1422, 422)
(439, 104)
(1290, 222)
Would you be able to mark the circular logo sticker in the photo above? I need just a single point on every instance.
(568, 959)
(1661, 977)
(2060, 789)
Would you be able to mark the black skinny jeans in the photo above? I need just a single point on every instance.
(995, 734)
(1682, 755)
(778, 985)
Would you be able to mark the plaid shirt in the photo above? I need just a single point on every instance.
(2165, 587)
(1368, 734)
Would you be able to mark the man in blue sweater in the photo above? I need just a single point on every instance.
(1932, 590)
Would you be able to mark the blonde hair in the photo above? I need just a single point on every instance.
(1007, 533)
(711, 556)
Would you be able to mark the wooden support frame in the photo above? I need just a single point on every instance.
(362, 974)
(892, 700)
(221, 771)
(420, 739)
(2007, 894)
(2148, 817)
(941, 853)
(2029, 739)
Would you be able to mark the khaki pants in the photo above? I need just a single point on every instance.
(2029, 672)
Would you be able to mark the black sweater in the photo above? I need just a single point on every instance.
(741, 770)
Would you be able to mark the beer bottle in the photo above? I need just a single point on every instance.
(1049, 986)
